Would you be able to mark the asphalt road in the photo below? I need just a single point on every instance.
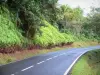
(54, 63)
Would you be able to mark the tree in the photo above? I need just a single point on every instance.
(71, 18)
(29, 14)
(92, 25)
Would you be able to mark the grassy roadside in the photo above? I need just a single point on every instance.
(7, 58)
(89, 64)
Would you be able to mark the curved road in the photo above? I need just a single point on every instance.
(54, 63)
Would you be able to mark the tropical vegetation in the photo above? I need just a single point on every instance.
(44, 23)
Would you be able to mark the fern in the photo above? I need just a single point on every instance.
(51, 36)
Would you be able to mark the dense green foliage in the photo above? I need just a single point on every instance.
(51, 36)
(9, 34)
(70, 19)
(44, 23)
(30, 12)
(91, 27)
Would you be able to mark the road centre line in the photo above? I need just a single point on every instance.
(41, 62)
(49, 59)
(27, 68)
(55, 56)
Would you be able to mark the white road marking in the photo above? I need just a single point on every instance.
(49, 58)
(41, 62)
(67, 71)
(27, 68)
(55, 56)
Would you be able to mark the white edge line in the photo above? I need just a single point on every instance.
(27, 68)
(67, 71)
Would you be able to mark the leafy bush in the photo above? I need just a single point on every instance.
(9, 34)
(51, 36)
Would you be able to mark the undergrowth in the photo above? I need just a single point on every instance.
(51, 36)
(9, 33)
(47, 35)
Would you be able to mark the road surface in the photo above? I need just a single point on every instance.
(54, 63)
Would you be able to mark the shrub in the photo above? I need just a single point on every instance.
(51, 36)
(9, 33)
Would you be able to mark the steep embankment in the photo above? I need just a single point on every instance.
(9, 33)
(11, 36)
(89, 64)
(50, 36)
